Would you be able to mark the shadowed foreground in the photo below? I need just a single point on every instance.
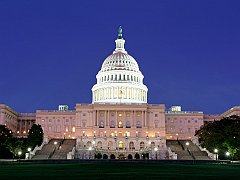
(123, 170)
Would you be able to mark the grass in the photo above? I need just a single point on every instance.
(115, 171)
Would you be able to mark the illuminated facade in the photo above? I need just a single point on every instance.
(119, 121)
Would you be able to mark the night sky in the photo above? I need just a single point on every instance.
(188, 51)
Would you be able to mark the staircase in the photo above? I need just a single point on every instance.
(66, 146)
(55, 149)
(187, 152)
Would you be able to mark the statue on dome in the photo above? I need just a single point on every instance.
(120, 32)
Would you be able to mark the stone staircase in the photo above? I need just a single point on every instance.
(65, 147)
(187, 152)
(55, 149)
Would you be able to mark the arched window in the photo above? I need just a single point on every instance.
(120, 124)
(142, 145)
(128, 125)
(110, 145)
(112, 124)
(152, 145)
(101, 124)
(84, 123)
(99, 145)
(139, 125)
(120, 145)
(131, 145)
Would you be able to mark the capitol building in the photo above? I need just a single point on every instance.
(119, 123)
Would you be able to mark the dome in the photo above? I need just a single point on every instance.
(120, 61)
(119, 79)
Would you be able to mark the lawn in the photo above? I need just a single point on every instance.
(114, 170)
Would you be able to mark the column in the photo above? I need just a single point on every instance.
(105, 118)
(133, 118)
(108, 119)
(116, 124)
(146, 124)
(143, 123)
(96, 119)
(20, 126)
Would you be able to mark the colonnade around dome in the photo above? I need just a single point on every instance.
(119, 94)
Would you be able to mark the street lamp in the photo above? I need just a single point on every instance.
(29, 150)
(216, 153)
(177, 136)
(55, 143)
(156, 149)
(19, 154)
(90, 152)
(227, 154)
(187, 143)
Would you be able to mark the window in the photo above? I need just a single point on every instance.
(101, 124)
(84, 124)
(139, 124)
(189, 121)
(120, 124)
(73, 129)
(84, 114)
(195, 120)
(112, 124)
(128, 125)
(156, 115)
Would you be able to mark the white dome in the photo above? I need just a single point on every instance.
(119, 80)
(120, 61)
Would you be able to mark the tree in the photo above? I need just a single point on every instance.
(223, 135)
(15, 144)
(5, 134)
(35, 136)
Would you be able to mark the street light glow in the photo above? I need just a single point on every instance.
(187, 143)
(216, 150)
(19, 153)
(55, 142)
(155, 149)
(29, 149)
(227, 153)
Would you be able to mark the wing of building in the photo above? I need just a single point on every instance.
(119, 120)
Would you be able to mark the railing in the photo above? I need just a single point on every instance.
(27, 114)
(71, 154)
(184, 112)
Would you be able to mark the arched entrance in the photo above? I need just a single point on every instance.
(112, 156)
(130, 156)
(137, 156)
(105, 156)
(121, 156)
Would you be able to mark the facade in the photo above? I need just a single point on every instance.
(119, 121)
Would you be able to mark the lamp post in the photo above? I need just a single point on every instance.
(90, 152)
(156, 149)
(19, 154)
(29, 150)
(227, 154)
(216, 153)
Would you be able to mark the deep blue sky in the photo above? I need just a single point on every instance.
(188, 51)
